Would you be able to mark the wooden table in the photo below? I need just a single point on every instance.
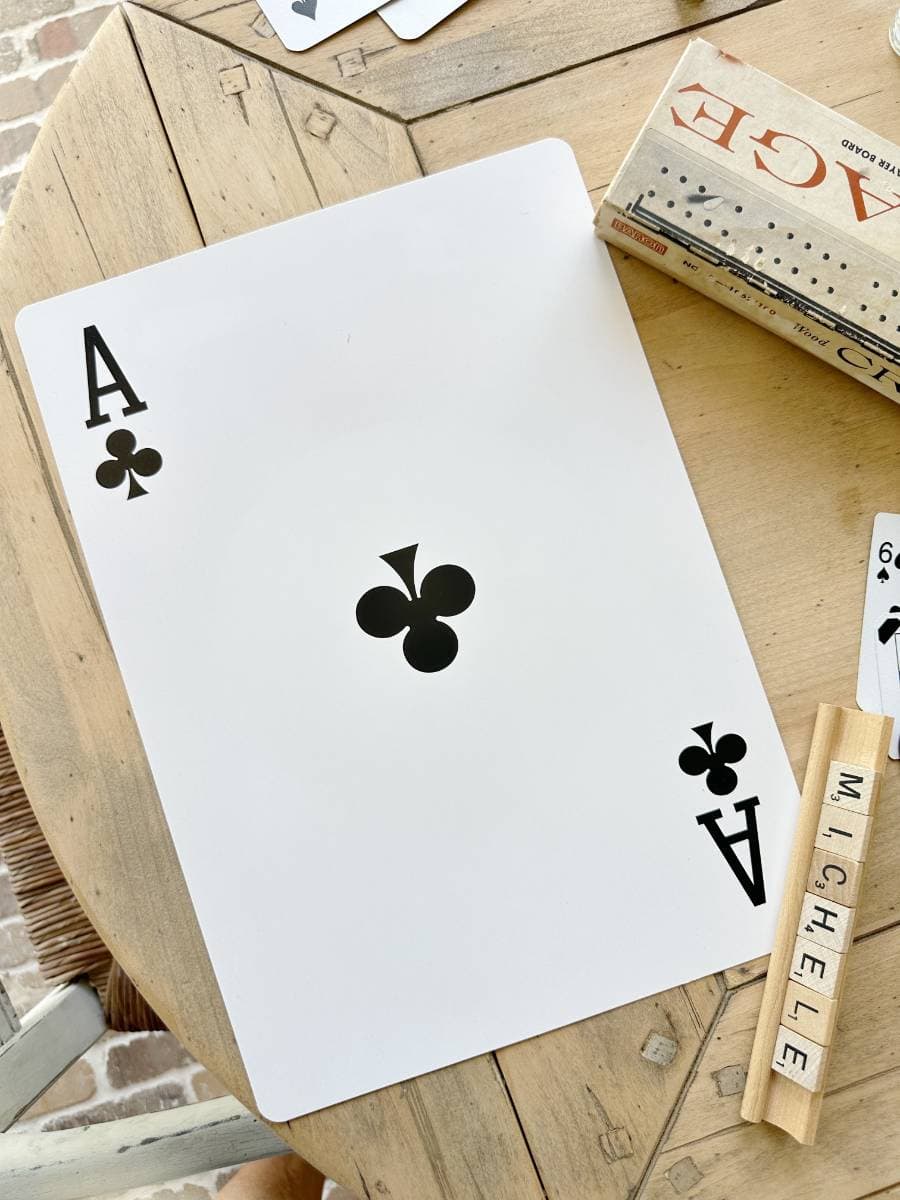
(188, 122)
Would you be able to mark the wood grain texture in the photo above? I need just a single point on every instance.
(487, 46)
(255, 146)
(789, 459)
(594, 1097)
(599, 108)
(857, 1151)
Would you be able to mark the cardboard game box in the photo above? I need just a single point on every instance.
(772, 204)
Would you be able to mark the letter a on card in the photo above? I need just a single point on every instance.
(752, 883)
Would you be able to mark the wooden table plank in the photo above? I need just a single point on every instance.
(600, 108)
(593, 1097)
(857, 1153)
(857, 1150)
(488, 45)
(869, 1021)
(450, 1135)
(255, 146)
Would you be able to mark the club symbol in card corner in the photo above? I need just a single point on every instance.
(714, 760)
(306, 8)
(446, 591)
(127, 462)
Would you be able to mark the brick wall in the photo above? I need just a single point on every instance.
(40, 40)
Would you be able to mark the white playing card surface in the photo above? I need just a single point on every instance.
(878, 681)
(301, 24)
(410, 19)
(396, 869)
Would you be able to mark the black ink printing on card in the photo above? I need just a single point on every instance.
(713, 760)
(446, 591)
(127, 462)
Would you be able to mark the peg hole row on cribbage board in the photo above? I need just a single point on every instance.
(825, 929)
(782, 251)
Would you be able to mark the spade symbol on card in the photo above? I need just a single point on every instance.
(305, 8)
(127, 462)
(713, 761)
(446, 591)
(883, 575)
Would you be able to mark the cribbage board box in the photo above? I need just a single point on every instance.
(774, 205)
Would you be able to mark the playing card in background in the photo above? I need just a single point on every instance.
(387, 560)
(304, 23)
(410, 19)
(878, 681)
(887, 653)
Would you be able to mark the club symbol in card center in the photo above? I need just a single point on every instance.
(446, 591)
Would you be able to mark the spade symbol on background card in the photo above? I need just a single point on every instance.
(127, 462)
(714, 760)
(887, 559)
(446, 591)
(305, 8)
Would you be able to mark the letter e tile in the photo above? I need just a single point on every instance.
(799, 1059)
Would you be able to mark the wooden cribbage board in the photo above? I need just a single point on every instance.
(768, 261)
(772, 204)
(798, 1016)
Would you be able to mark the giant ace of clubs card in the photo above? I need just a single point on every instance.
(409, 588)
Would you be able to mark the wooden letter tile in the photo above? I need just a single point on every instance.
(816, 966)
(808, 1013)
(843, 831)
(826, 922)
(799, 1059)
(835, 877)
(850, 787)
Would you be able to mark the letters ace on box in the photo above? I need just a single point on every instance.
(772, 204)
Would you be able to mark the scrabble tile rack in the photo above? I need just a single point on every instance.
(798, 1016)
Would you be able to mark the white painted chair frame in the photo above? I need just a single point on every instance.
(90, 1161)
